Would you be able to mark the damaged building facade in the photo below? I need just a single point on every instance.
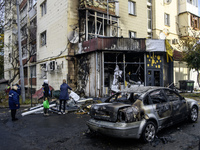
(103, 45)
(117, 53)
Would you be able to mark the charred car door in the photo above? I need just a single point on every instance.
(162, 107)
(179, 107)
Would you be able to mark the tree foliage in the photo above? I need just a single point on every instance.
(192, 56)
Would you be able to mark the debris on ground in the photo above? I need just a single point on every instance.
(74, 104)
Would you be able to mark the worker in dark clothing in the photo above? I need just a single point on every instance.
(14, 101)
(64, 96)
(46, 92)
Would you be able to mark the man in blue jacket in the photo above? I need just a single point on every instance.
(64, 96)
(14, 101)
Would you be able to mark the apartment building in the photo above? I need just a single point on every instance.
(97, 44)
(55, 23)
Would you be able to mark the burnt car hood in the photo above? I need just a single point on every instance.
(107, 111)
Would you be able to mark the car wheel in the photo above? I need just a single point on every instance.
(193, 114)
(149, 132)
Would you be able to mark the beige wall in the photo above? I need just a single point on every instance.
(136, 23)
(60, 15)
(159, 9)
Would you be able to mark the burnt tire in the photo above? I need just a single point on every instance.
(149, 132)
(193, 116)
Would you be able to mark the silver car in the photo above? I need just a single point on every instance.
(141, 112)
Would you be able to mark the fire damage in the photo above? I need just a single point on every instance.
(141, 112)
(124, 108)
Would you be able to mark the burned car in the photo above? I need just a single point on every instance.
(141, 112)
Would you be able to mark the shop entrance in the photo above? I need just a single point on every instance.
(153, 77)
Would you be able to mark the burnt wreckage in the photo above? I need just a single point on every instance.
(115, 60)
(141, 112)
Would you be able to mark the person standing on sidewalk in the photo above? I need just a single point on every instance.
(64, 96)
(14, 101)
(46, 92)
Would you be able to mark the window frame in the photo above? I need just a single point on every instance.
(133, 10)
(167, 19)
(149, 18)
(43, 8)
(174, 93)
(43, 35)
(130, 34)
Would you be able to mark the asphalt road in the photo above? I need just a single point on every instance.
(69, 132)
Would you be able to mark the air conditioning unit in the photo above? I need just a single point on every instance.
(52, 65)
(175, 41)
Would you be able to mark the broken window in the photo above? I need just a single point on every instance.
(94, 24)
(194, 21)
(171, 95)
(157, 97)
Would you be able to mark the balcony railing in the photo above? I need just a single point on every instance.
(114, 43)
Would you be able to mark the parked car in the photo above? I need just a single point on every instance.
(141, 112)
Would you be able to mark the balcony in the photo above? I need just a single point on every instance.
(98, 6)
(22, 4)
(32, 12)
(114, 44)
(189, 27)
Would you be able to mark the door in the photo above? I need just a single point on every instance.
(153, 77)
(178, 104)
(162, 107)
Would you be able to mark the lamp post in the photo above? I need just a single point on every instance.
(20, 55)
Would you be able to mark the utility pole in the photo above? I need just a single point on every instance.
(20, 55)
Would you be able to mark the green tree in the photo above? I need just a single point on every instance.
(192, 56)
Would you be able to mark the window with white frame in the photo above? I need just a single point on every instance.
(149, 17)
(131, 8)
(132, 34)
(43, 7)
(33, 71)
(43, 71)
(43, 38)
(167, 19)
